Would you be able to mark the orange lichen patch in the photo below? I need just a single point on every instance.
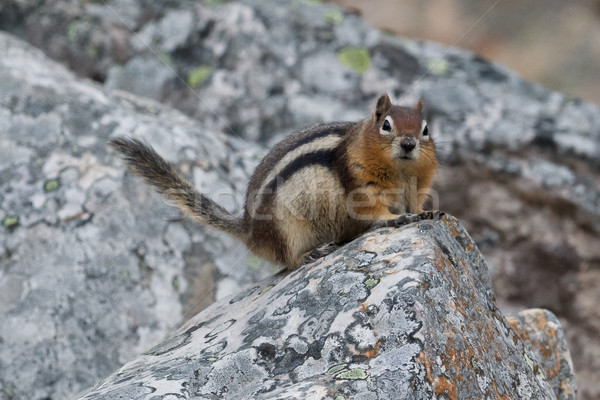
(536, 321)
(441, 384)
(498, 395)
(373, 352)
(386, 272)
(514, 324)
(566, 387)
(74, 217)
(444, 265)
(450, 221)
(458, 304)
(453, 231)
(466, 271)
(470, 247)
(439, 261)
(445, 386)
(374, 240)
(457, 360)
(452, 224)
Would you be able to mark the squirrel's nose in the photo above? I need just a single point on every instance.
(408, 144)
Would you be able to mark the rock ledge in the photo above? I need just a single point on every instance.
(398, 312)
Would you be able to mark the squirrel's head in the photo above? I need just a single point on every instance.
(400, 134)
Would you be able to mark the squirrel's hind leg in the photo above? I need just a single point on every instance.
(321, 251)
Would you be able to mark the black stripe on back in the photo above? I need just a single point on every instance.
(322, 157)
(324, 130)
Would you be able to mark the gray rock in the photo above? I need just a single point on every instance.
(167, 34)
(540, 330)
(400, 313)
(144, 77)
(324, 71)
(94, 268)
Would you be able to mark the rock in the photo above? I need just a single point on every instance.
(141, 77)
(398, 313)
(93, 267)
(540, 330)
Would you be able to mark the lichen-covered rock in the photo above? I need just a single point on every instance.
(540, 330)
(93, 267)
(403, 313)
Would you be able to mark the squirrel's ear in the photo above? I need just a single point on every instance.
(419, 106)
(383, 105)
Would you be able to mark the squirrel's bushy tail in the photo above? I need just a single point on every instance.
(147, 163)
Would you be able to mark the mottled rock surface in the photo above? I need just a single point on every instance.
(403, 313)
(94, 268)
(520, 164)
(540, 330)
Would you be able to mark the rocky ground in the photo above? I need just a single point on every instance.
(519, 167)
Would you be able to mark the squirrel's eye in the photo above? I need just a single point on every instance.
(386, 126)
(424, 130)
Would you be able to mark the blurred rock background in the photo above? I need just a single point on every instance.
(553, 42)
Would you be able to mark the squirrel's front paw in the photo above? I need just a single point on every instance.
(409, 219)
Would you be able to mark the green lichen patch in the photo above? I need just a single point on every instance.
(199, 75)
(175, 283)
(540, 372)
(438, 67)
(371, 282)
(336, 368)
(266, 289)
(474, 364)
(339, 397)
(254, 262)
(11, 221)
(529, 361)
(51, 185)
(353, 374)
(212, 359)
(92, 51)
(333, 16)
(71, 30)
(165, 58)
(355, 58)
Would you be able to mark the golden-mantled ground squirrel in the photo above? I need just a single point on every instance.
(323, 185)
